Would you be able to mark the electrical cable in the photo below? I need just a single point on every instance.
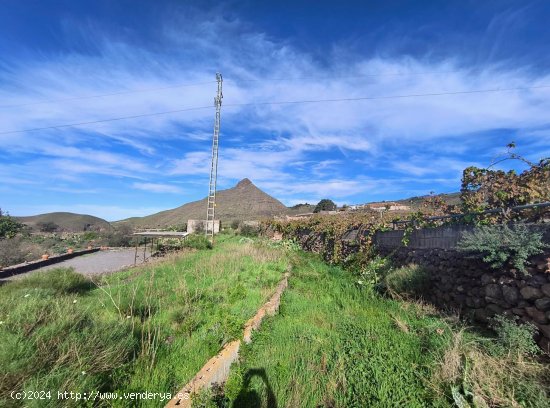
(287, 103)
(107, 94)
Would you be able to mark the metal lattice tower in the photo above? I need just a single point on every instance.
(210, 212)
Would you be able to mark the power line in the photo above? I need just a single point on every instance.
(391, 96)
(343, 77)
(107, 94)
(210, 82)
(107, 120)
(287, 103)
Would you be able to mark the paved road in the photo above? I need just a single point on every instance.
(96, 263)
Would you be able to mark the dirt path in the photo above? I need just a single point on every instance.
(97, 263)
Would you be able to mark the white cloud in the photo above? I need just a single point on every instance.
(333, 144)
(157, 188)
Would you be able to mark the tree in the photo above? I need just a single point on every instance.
(325, 205)
(47, 226)
(8, 226)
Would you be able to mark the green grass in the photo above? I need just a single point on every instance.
(144, 329)
(336, 343)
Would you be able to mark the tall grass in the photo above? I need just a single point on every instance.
(337, 343)
(147, 329)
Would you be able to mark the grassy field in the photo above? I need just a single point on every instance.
(144, 329)
(336, 343)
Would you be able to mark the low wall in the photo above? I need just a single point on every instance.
(30, 266)
(455, 281)
(471, 288)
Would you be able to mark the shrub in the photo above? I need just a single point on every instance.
(513, 337)
(235, 224)
(501, 244)
(11, 251)
(48, 226)
(197, 241)
(9, 227)
(248, 230)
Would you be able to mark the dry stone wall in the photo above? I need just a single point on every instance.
(456, 281)
(473, 289)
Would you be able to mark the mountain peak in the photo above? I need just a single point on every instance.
(244, 183)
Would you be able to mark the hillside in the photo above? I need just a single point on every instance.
(245, 201)
(416, 202)
(66, 221)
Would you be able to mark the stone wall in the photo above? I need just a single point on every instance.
(473, 289)
(457, 282)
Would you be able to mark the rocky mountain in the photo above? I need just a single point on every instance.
(245, 201)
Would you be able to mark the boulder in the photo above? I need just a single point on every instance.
(530, 293)
(536, 315)
(510, 294)
(543, 304)
(545, 289)
(493, 290)
(493, 310)
(486, 279)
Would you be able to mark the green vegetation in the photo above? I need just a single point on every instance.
(501, 244)
(149, 328)
(9, 226)
(336, 343)
(325, 205)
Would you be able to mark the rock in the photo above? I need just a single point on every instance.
(545, 289)
(537, 280)
(536, 315)
(544, 330)
(493, 290)
(480, 315)
(510, 294)
(519, 311)
(486, 279)
(496, 301)
(530, 293)
(493, 309)
(543, 304)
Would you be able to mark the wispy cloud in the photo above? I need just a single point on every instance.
(157, 188)
(356, 150)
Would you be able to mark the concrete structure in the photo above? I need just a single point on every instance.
(200, 225)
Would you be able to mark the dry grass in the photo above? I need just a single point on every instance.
(489, 380)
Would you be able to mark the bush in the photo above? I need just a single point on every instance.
(9, 227)
(197, 241)
(501, 244)
(11, 251)
(513, 337)
(248, 230)
(47, 226)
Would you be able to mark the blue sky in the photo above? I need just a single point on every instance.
(55, 54)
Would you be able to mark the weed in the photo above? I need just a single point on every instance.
(501, 244)
(514, 338)
(409, 280)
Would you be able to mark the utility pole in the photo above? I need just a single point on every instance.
(210, 212)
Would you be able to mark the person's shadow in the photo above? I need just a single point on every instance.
(250, 398)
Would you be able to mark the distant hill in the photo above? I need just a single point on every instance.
(245, 201)
(416, 202)
(66, 221)
(300, 209)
